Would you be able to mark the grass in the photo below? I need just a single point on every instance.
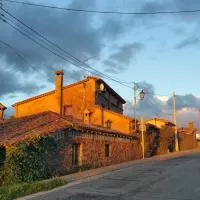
(19, 190)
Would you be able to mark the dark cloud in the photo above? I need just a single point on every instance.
(113, 27)
(126, 53)
(112, 67)
(191, 41)
(83, 35)
(119, 60)
(187, 106)
(149, 107)
(185, 101)
(73, 32)
(10, 83)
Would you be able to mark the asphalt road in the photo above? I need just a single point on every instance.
(173, 179)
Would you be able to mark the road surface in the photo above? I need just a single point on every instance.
(169, 179)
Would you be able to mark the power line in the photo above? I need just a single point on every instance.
(13, 49)
(35, 41)
(55, 53)
(102, 11)
(66, 52)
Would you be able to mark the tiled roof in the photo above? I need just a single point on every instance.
(17, 130)
(162, 120)
(187, 130)
(2, 107)
(14, 130)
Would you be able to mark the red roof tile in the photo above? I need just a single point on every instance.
(17, 130)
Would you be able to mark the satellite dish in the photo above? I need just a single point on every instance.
(102, 87)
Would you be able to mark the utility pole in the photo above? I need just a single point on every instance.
(199, 120)
(142, 124)
(175, 122)
(134, 104)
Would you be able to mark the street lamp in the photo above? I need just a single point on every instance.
(142, 94)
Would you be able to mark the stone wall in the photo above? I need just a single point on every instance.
(92, 150)
(187, 141)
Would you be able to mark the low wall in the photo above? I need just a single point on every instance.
(92, 151)
(187, 141)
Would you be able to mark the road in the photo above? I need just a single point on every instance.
(168, 179)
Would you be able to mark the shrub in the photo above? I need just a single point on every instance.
(31, 161)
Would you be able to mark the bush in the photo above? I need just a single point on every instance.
(2, 176)
(30, 161)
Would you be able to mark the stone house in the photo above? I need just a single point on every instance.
(91, 101)
(80, 144)
(159, 136)
(187, 137)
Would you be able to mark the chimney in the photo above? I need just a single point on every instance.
(2, 108)
(59, 91)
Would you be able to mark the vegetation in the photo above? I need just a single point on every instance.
(30, 161)
(19, 190)
(23, 166)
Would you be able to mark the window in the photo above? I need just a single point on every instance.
(108, 124)
(76, 154)
(2, 155)
(68, 110)
(107, 150)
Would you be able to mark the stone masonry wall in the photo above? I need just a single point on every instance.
(187, 141)
(92, 151)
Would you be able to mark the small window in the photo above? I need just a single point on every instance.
(108, 124)
(68, 110)
(76, 154)
(107, 150)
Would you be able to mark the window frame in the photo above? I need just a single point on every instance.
(107, 150)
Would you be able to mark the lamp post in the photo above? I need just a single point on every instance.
(142, 94)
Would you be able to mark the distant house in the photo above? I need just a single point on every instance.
(91, 100)
(161, 132)
(2, 109)
(187, 137)
(80, 144)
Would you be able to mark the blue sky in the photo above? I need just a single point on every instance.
(161, 50)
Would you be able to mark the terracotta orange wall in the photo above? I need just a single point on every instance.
(80, 98)
(73, 95)
(35, 106)
(119, 122)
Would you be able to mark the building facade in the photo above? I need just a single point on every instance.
(79, 144)
(187, 137)
(160, 136)
(91, 101)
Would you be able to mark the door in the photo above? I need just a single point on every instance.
(76, 154)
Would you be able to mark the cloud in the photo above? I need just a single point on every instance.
(191, 41)
(127, 52)
(12, 81)
(120, 59)
(185, 101)
(81, 34)
(152, 106)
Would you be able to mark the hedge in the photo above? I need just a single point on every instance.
(30, 161)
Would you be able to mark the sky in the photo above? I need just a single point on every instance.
(158, 52)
